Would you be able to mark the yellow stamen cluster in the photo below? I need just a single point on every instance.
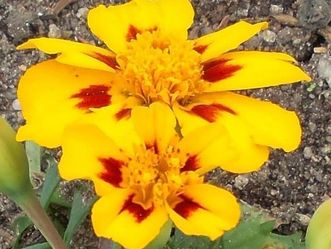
(156, 68)
(154, 176)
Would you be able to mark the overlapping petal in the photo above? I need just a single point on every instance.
(242, 153)
(74, 53)
(251, 69)
(155, 125)
(89, 154)
(268, 124)
(214, 44)
(117, 218)
(124, 22)
(54, 95)
(205, 210)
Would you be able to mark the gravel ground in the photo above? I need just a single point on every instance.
(290, 186)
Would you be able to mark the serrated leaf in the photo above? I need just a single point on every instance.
(39, 246)
(78, 213)
(52, 181)
(247, 235)
(293, 241)
(182, 241)
(33, 152)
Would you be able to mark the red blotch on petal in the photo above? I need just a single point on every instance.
(191, 164)
(110, 61)
(200, 48)
(112, 173)
(136, 210)
(218, 70)
(134, 31)
(153, 147)
(210, 112)
(95, 96)
(124, 113)
(186, 207)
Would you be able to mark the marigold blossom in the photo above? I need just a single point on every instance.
(149, 58)
(145, 181)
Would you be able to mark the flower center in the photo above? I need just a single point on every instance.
(154, 177)
(156, 68)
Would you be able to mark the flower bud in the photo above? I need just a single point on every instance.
(14, 169)
(319, 228)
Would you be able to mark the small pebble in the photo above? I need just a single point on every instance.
(276, 9)
(268, 36)
(16, 105)
(308, 152)
(54, 31)
(82, 12)
(326, 149)
(240, 181)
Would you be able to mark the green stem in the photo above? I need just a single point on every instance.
(32, 207)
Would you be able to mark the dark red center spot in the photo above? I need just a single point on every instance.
(124, 113)
(95, 96)
(134, 31)
(218, 70)
(186, 207)
(200, 48)
(210, 112)
(110, 61)
(136, 210)
(112, 171)
(153, 147)
(191, 164)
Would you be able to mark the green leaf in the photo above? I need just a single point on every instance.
(293, 241)
(52, 181)
(19, 225)
(247, 235)
(33, 152)
(78, 213)
(182, 241)
(161, 240)
(39, 246)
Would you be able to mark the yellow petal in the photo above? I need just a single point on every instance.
(205, 210)
(115, 122)
(74, 53)
(253, 70)
(53, 95)
(137, 16)
(208, 147)
(116, 217)
(267, 123)
(217, 43)
(155, 124)
(244, 155)
(89, 154)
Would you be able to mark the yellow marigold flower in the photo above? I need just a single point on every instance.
(149, 58)
(152, 177)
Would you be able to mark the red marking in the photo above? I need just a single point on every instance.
(187, 207)
(218, 70)
(124, 113)
(210, 112)
(95, 96)
(136, 210)
(112, 173)
(191, 164)
(153, 147)
(200, 48)
(134, 31)
(110, 61)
